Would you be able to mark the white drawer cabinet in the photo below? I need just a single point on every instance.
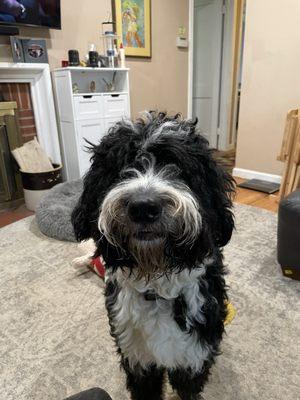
(115, 105)
(87, 116)
(88, 131)
(88, 107)
(109, 122)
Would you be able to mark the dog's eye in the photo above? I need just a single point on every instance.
(167, 202)
(125, 202)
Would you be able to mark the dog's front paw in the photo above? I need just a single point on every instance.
(83, 261)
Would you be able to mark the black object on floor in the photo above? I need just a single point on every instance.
(91, 394)
(289, 235)
(260, 186)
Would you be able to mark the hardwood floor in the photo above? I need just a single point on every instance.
(243, 196)
(256, 199)
(9, 216)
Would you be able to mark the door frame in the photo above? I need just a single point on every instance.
(230, 67)
(226, 78)
(191, 59)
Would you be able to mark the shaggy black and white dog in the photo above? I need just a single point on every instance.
(159, 210)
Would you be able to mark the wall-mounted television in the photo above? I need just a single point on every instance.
(31, 12)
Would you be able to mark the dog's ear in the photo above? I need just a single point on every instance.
(84, 216)
(107, 160)
(221, 188)
(214, 187)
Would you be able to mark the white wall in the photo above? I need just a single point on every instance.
(270, 81)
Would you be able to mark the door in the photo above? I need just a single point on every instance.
(92, 130)
(207, 54)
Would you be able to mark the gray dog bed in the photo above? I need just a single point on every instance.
(53, 214)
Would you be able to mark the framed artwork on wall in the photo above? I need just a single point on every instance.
(133, 26)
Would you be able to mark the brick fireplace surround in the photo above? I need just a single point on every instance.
(40, 99)
(31, 87)
(20, 92)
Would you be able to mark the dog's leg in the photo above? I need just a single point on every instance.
(88, 248)
(189, 386)
(144, 384)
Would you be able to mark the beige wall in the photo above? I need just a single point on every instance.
(159, 83)
(271, 81)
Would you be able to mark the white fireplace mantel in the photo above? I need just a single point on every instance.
(38, 75)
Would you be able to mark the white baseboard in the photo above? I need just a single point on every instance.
(249, 174)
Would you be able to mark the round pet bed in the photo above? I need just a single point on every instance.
(53, 214)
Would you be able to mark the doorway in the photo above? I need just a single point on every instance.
(215, 64)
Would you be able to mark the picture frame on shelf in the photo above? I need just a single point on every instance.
(17, 49)
(133, 26)
(35, 51)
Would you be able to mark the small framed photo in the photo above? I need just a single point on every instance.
(17, 49)
(133, 26)
(35, 50)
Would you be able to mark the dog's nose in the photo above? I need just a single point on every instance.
(144, 211)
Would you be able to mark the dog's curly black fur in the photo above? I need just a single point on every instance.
(172, 145)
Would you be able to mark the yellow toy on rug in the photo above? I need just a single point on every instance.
(231, 311)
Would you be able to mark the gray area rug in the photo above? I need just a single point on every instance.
(55, 339)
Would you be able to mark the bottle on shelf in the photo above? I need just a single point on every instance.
(122, 56)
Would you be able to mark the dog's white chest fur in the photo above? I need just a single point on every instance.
(146, 330)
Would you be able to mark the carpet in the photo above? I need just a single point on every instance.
(55, 341)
